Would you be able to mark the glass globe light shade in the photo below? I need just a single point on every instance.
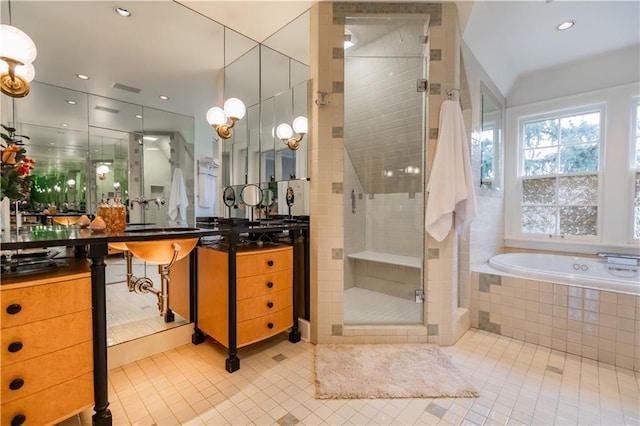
(216, 116)
(284, 131)
(71, 182)
(16, 44)
(300, 125)
(27, 71)
(102, 169)
(235, 108)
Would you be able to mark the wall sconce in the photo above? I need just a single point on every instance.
(217, 117)
(102, 171)
(285, 132)
(71, 183)
(17, 52)
(116, 185)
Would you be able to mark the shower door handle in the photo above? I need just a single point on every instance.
(353, 201)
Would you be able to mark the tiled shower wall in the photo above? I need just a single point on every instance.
(443, 324)
(596, 324)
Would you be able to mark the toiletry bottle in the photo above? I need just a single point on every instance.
(104, 212)
(118, 215)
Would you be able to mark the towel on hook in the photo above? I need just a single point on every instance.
(178, 200)
(450, 182)
(207, 188)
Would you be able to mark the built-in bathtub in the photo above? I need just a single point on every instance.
(584, 306)
(571, 270)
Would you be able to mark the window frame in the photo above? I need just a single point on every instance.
(615, 215)
(553, 114)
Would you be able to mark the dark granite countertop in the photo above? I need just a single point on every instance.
(39, 236)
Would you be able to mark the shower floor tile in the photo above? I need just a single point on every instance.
(363, 306)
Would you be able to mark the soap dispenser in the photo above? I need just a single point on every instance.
(118, 213)
(104, 211)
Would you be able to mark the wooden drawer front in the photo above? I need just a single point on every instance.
(260, 285)
(43, 337)
(263, 261)
(263, 305)
(44, 301)
(257, 329)
(45, 371)
(52, 405)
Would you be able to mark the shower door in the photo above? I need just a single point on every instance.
(384, 134)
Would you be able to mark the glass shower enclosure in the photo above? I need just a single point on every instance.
(385, 94)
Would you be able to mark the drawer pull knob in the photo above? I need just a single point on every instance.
(270, 325)
(270, 262)
(13, 309)
(15, 346)
(269, 305)
(16, 384)
(18, 420)
(270, 284)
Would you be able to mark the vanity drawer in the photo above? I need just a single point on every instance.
(257, 329)
(31, 340)
(263, 305)
(51, 405)
(38, 302)
(22, 379)
(260, 285)
(263, 261)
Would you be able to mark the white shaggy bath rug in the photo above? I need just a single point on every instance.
(387, 371)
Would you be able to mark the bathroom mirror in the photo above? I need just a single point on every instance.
(254, 155)
(251, 195)
(229, 196)
(490, 140)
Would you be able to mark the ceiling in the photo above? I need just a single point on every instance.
(166, 44)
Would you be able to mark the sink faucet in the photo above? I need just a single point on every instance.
(144, 201)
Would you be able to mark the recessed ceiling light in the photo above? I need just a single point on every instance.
(64, 125)
(123, 12)
(70, 102)
(138, 116)
(51, 143)
(565, 25)
(164, 97)
(150, 138)
(82, 76)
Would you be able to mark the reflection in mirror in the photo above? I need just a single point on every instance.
(109, 154)
(229, 196)
(229, 199)
(251, 195)
(297, 201)
(281, 87)
(490, 140)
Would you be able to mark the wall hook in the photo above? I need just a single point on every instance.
(322, 98)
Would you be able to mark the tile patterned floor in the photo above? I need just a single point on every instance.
(362, 306)
(519, 384)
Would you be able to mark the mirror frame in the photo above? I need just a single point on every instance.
(493, 120)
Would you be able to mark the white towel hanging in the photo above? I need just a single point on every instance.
(451, 181)
(178, 199)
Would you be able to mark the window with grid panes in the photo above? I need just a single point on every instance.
(560, 157)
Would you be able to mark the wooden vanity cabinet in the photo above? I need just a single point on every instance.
(264, 294)
(47, 347)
